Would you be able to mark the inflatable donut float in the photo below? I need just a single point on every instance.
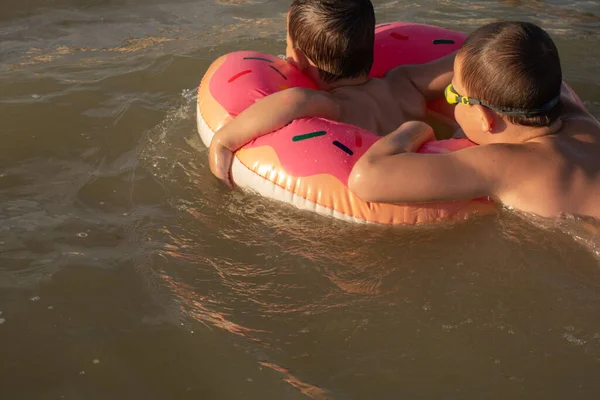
(308, 162)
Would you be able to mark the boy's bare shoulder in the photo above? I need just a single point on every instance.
(398, 77)
(575, 115)
(506, 160)
(581, 127)
(557, 173)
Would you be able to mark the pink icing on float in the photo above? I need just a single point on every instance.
(308, 162)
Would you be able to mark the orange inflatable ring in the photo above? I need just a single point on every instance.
(308, 162)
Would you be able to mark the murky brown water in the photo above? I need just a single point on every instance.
(127, 272)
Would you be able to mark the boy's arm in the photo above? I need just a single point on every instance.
(267, 115)
(274, 112)
(430, 79)
(388, 172)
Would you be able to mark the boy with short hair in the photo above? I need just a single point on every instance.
(332, 42)
(539, 149)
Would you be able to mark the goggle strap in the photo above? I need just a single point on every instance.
(520, 112)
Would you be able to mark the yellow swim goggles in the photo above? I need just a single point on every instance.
(452, 97)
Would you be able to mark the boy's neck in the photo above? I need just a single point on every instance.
(524, 134)
(343, 83)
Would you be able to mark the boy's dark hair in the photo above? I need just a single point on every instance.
(513, 65)
(336, 35)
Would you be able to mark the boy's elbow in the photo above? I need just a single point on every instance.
(362, 183)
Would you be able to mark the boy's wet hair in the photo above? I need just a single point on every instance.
(514, 65)
(336, 35)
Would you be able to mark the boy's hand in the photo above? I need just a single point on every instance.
(220, 159)
(430, 79)
(410, 136)
(267, 115)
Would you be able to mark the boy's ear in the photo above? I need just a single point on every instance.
(300, 59)
(486, 119)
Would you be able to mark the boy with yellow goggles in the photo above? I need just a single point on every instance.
(540, 159)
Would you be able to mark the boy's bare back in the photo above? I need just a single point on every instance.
(376, 106)
(382, 105)
(558, 173)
